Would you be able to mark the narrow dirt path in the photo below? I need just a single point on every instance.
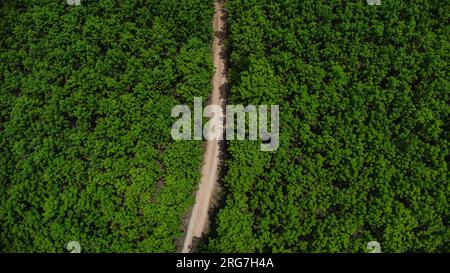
(211, 162)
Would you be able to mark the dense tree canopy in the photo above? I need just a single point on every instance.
(86, 96)
(364, 100)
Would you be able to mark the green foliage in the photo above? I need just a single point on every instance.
(86, 154)
(364, 99)
(86, 95)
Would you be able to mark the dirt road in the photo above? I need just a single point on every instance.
(211, 161)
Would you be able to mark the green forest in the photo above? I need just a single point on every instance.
(364, 127)
(86, 94)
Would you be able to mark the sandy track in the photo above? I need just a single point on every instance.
(211, 161)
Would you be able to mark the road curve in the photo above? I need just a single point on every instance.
(211, 161)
